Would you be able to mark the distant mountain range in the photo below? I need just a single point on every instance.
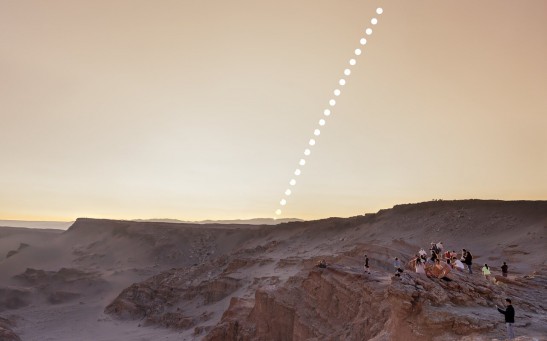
(63, 225)
(254, 221)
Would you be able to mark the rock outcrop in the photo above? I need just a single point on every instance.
(56, 287)
(14, 298)
(14, 252)
(269, 288)
(6, 333)
(342, 304)
(165, 299)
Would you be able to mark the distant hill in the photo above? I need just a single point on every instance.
(59, 225)
(63, 225)
(254, 221)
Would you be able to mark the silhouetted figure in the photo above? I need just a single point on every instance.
(504, 268)
(367, 270)
(468, 260)
(509, 313)
(434, 256)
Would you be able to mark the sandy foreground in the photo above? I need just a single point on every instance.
(122, 280)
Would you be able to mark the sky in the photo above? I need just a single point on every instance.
(202, 109)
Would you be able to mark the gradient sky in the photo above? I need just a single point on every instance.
(202, 109)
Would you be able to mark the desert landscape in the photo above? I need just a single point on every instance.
(270, 170)
(126, 280)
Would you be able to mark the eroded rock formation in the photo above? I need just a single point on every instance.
(269, 288)
(6, 333)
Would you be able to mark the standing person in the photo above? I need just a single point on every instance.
(434, 256)
(486, 271)
(420, 266)
(440, 248)
(397, 266)
(464, 252)
(367, 270)
(504, 268)
(509, 313)
(468, 260)
(434, 247)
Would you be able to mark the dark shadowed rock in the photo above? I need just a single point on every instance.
(53, 287)
(58, 297)
(161, 300)
(14, 298)
(14, 252)
(6, 334)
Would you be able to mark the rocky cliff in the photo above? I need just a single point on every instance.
(268, 288)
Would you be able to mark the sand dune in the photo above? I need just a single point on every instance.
(127, 280)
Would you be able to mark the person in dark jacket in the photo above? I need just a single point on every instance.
(504, 268)
(468, 260)
(434, 256)
(367, 269)
(509, 313)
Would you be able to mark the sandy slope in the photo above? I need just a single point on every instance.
(201, 269)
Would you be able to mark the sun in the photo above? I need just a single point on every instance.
(327, 112)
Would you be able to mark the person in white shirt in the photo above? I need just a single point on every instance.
(420, 266)
(457, 264)
(440, 246)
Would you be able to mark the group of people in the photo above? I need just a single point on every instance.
(465, 261)
(439, 257)
(451, 258)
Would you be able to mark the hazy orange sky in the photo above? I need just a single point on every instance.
(202, 109)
